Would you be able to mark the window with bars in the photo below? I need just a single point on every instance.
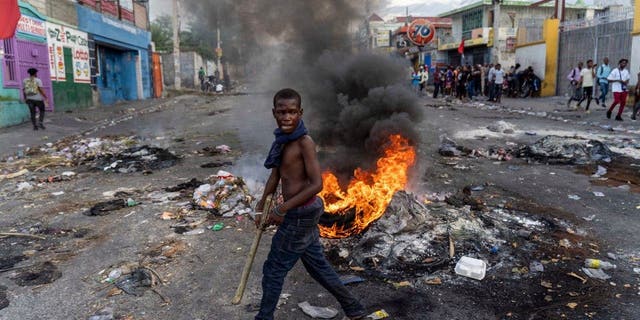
(470, 21)
(9, 64)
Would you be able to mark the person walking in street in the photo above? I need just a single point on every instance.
(491, 82)
(35, 97)
(574, 80)
(415, 81)
(294, 163)
(448, 83)
(586, 80)
(602, 74)
(619, 79)
(498, 80)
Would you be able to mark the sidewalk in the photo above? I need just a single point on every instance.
(63, 124)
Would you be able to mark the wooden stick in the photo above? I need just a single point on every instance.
(254, 248)
(26, 235)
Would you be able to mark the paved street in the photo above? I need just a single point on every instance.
(61, 273)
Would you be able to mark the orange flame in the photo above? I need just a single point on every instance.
(368, 193)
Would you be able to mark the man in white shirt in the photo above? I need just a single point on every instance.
(586, 79)
(498, 80)
(619, 78)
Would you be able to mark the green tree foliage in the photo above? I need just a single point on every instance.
(162, 33)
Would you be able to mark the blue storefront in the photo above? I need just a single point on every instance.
(119, 53)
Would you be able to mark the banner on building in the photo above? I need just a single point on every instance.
(32, 26)
(59, 37)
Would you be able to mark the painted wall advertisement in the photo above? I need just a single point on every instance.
(58, 37)
(32, 26)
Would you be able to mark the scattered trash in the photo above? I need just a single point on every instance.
(227, 194)
(317, 312)
(598, 264)
(24, 186)
(536, 266)
(380, 314)
(105, 207)
(636, 270)
(530, 133)
(104, 314)
(167, 215)
(565, 243)
(612, 256)
(131, 203)
(501, 127)
(471, 267)
(596, 273)
(136, 282)
(191, 184)
(218, 226)
(573, 197)
(448, 148)
(68, 174)
(565, 150)
(477, 188)
(572, 305)
(223, 148)
(589, 218)
(433, 280)
(194, 232)
(601, 171)
(598, 194)
(13, 175)
(401, 284)
(57, 193)
(135, 159)
(513, 168)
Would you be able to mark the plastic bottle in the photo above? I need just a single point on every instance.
(598, 264)
(131, 202)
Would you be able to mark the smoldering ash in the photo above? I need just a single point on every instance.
(353, 99)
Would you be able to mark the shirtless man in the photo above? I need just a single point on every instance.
(293, 161)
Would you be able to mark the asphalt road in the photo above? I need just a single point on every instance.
(200, 279)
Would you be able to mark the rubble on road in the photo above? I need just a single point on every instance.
(565, 150)
(136, 159)
(413, 238)
(225, 193)
(501, 127)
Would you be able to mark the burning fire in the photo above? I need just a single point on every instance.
(368, 193)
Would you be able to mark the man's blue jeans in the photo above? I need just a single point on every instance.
(298, 238)
(604, 89)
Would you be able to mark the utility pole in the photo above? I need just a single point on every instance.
(218, 47)
(176, 45)
(496, 30)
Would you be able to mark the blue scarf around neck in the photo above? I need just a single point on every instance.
(275, 154)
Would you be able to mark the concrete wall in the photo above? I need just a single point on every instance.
(190, 63)
(634, 59)
(168, 72)
(533, 55)
(62, 10)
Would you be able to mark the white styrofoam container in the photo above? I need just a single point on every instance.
(472, 268)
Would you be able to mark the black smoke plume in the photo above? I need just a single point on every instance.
(353, 99)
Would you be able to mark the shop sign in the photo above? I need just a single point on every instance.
(58, 37)
(30, 25)
(421, 32)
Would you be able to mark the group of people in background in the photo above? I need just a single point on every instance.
(465, 82)
(583, 80)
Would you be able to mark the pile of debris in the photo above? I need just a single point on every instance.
(225, 193)
(564, 150)
(135, 159)
(449, 148)
(414, 239)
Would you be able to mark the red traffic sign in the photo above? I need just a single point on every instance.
(421, 32)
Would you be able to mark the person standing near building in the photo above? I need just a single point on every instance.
(602, 73)
(498, 81)
(586, 80)
(619, 79)
(490, 82)
(201, 78)
(574, 78)
(35, 97)
(438, 80)
(424, 77)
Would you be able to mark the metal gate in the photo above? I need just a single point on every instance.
(35, 55)
(603, 36)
